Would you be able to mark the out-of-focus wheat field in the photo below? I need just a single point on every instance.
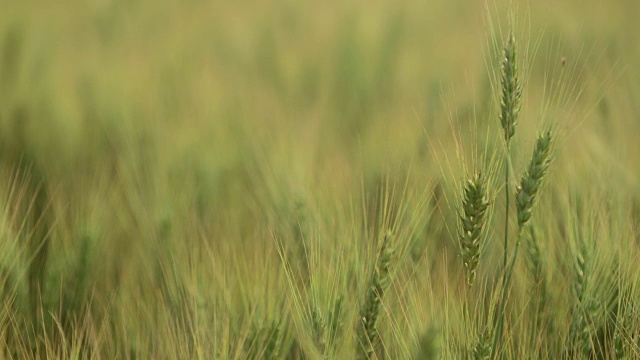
(284, 179)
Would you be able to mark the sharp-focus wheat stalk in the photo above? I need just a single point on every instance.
(510, 104)
(472, 220)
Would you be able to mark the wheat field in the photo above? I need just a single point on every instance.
(285, 179)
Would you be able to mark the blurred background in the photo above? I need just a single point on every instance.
(208, 85)
(236, 100)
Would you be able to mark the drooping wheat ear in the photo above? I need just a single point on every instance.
(531, 182)
(511, 100)
(472, 220)
(380, 280)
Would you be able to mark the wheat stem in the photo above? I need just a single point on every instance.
(510, 104)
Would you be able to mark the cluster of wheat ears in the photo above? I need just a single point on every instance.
(473, 213)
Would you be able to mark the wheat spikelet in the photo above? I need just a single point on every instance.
(325, 328)
(318, 326)
(527, 191)
(482, 349)
(378, 285)
(511, 100)
(584, 308)
(472, 221)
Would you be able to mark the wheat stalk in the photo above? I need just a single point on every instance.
(525, 200)
(510, 104)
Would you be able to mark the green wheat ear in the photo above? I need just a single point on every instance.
(378, 285)
(510, 102)
(531, 182)
(472, 221)
(482, 349)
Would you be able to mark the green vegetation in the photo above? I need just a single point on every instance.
(329, 180)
